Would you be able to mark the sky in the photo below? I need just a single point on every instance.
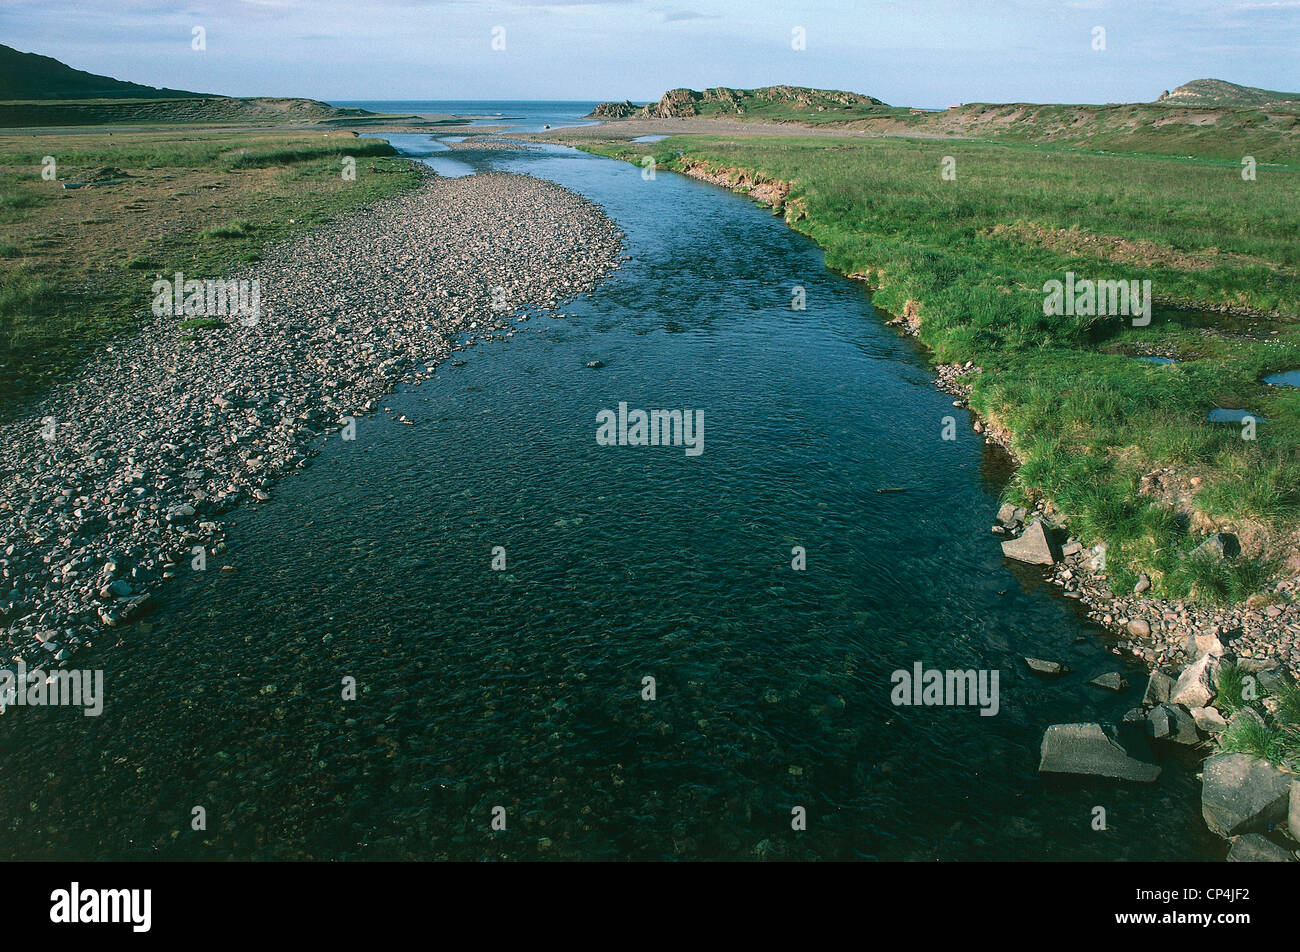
(907, 52)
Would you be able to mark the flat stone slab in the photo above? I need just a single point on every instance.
(1050, 669)
(1092, 750)
(1033, 546)
(1111, 681)
(1243, 794)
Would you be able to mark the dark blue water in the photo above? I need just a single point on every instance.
(522, 688)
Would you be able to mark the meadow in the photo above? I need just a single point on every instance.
(76, 265)
(1121, 448)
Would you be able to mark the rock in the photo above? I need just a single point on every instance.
(595, 364)
(1173, 724)
(1293, 816)
(1138, 628)
(1033, 546)
(1143, 583)
(1094, 750)
(1246, 714)
(1049, 668)
(1242, 794)
(1111, 681)
(1206, 644)
(120, 589)
(1253, 848)
(1208, 719)
(1220, 546)
(1198, 683)
(1159, 687)
(182, 513)
(1071, 549)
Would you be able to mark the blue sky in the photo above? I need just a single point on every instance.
(906, 52)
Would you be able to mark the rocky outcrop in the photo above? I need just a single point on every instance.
(722, 100)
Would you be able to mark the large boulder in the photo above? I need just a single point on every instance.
(1243, 794)
(1035, 545)
(1198, 683)
(1092, 749)
(1253, 848)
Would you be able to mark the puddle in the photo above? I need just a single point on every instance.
(1219, 415)
(1287, 378)
(649, 138)
(1156, 360)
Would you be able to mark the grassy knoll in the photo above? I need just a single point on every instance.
(76, 265)
(1087, 420)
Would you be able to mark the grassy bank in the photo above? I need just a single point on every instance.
(76, 265)
(1088, 421)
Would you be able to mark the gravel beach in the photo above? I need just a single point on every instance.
(115, 479)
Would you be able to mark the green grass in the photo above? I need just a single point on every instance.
(65, 291)
(1278, 738)
(1087, 420)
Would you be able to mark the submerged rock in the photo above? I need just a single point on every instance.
(1049, 669)
(1111, 681)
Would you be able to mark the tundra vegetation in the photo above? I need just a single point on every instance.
(76, 265)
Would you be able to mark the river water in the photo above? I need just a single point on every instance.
(522, 688)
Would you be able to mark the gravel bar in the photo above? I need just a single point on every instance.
(162, 434)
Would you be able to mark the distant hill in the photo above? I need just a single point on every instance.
(205, 109)
(1218, 92)
(770, 103)
(32, 76)
(1208, 117)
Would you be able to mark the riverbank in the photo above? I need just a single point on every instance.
(963, 259)
(1224, 652)
(119, 478)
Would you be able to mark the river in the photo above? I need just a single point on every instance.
(522, 688)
